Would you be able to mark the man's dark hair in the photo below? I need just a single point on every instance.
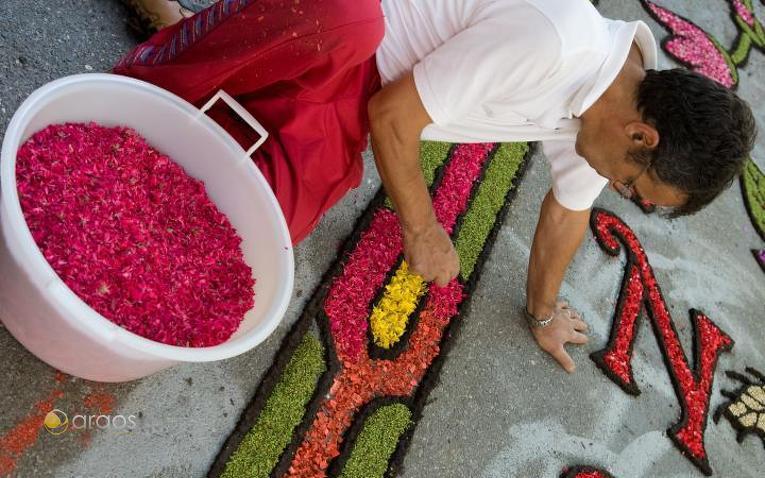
(706, 133)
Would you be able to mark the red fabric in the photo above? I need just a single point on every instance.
(305, 69)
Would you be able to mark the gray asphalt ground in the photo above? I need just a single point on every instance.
(503, 409)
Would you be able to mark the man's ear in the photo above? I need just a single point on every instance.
(642, 135)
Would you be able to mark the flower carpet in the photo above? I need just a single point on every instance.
(351, 379)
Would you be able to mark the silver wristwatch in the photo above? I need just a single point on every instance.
(535, 323)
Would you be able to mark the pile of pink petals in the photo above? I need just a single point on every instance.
(133, 235)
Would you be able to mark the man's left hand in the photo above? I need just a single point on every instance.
(567, 326)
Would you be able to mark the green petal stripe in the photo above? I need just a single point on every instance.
(261, 448)
(377, 441)
(754, 193)
(432, 155)
(480, 218)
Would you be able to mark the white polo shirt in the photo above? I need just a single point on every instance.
(512, 70)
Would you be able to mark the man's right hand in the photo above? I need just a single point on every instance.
(430, 253)
(397, 118)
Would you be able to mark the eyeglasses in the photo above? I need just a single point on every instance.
(627, 188)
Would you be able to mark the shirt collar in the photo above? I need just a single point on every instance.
(621, 35)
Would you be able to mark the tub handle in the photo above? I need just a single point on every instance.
(243, 113)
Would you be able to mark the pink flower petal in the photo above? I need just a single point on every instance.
(693, 46)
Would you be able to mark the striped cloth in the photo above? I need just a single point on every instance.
(187, 33)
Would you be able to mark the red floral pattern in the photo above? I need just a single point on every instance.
(351, 293)
(347, 302)
(362, 379)
(640, 291)
(358, 379)
(585, 472)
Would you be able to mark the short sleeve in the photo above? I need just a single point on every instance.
(575, 184)
(502, 55)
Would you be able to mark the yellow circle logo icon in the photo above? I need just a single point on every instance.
(56, 422)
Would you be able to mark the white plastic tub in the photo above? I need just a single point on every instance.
(56, 325)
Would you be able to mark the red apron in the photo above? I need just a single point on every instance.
(304, 68)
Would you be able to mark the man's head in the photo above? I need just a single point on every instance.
(680, 142)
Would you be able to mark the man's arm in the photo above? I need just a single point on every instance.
(397, 118)
(558, 235)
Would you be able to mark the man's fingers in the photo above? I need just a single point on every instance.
(454, 272)
(574, 315)
(580, 325)
(564, 359)
(419, 269)
(447, 274)
(578, 338)
(442, 280)
(425, 276)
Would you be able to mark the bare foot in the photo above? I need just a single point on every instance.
(158, 14)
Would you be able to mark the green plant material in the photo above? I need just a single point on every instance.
(753, 182)
(432, 155)
(261, 448)
(741, 51)
(377, 441)
(480, 218)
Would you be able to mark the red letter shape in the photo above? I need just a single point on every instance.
(640, 291)
(585, 472)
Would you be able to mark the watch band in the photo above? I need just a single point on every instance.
(536, 323)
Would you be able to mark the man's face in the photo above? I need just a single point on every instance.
(609, 153)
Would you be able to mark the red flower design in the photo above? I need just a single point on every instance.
(349, 298)
(346, 306)
(640, 291)
(585, 472)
